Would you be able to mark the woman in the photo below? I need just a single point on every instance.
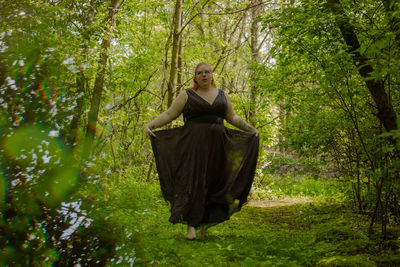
(205, 169)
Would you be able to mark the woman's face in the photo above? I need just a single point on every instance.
(203, 76)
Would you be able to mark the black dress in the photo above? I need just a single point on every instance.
(203, 166)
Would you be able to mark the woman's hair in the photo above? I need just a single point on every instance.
(195, 85)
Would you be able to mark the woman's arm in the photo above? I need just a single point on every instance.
(169, 115)
(235, 120)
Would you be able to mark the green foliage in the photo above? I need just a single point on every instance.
(314, 114)
(47, 193)
(326, 112)
(276, 187)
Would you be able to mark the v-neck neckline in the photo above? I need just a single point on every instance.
(212, 103)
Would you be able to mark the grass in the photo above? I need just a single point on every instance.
(291, 231)
(276, 187)
(296, 235)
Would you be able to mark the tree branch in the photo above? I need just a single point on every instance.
(118, 107)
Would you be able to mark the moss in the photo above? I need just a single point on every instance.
(347, 261)
(294, 234)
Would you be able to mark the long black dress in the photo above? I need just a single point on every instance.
(203, 166)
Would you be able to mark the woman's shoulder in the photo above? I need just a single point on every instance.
(187, 92)
(183, 95)
(222, 92)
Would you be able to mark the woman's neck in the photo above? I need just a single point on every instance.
(205, 88)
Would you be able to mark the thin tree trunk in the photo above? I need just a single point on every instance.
(180, 68)
(180, 62)
(149, 171)
(175, 50)
(98, 84)
(238, 44)
(283, 118)
(165, 71)
(255, 29)
(81, 80)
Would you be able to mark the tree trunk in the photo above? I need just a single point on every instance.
(165, 72)
(81, 80)
(254, 46)
(98, 84)
(283, 116)
(180, 67)
(386, 113)
(175, 50)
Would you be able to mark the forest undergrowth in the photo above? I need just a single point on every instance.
(314, 229)
(79, 80)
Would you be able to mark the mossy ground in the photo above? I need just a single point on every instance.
(291, 231)
(302, 234)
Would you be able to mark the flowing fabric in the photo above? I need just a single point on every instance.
(204, 168)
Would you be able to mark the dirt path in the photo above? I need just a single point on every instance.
(278, 202)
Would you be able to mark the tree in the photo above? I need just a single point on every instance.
(102, 65)
(255, 48)
(176, 37)
(82, 79)
(322, 70)
(386, 113)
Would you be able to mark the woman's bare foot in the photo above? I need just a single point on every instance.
(202, 231)
(191, 233)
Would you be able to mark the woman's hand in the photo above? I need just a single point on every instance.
(169, 115)
(255, 131)
(148, 131)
